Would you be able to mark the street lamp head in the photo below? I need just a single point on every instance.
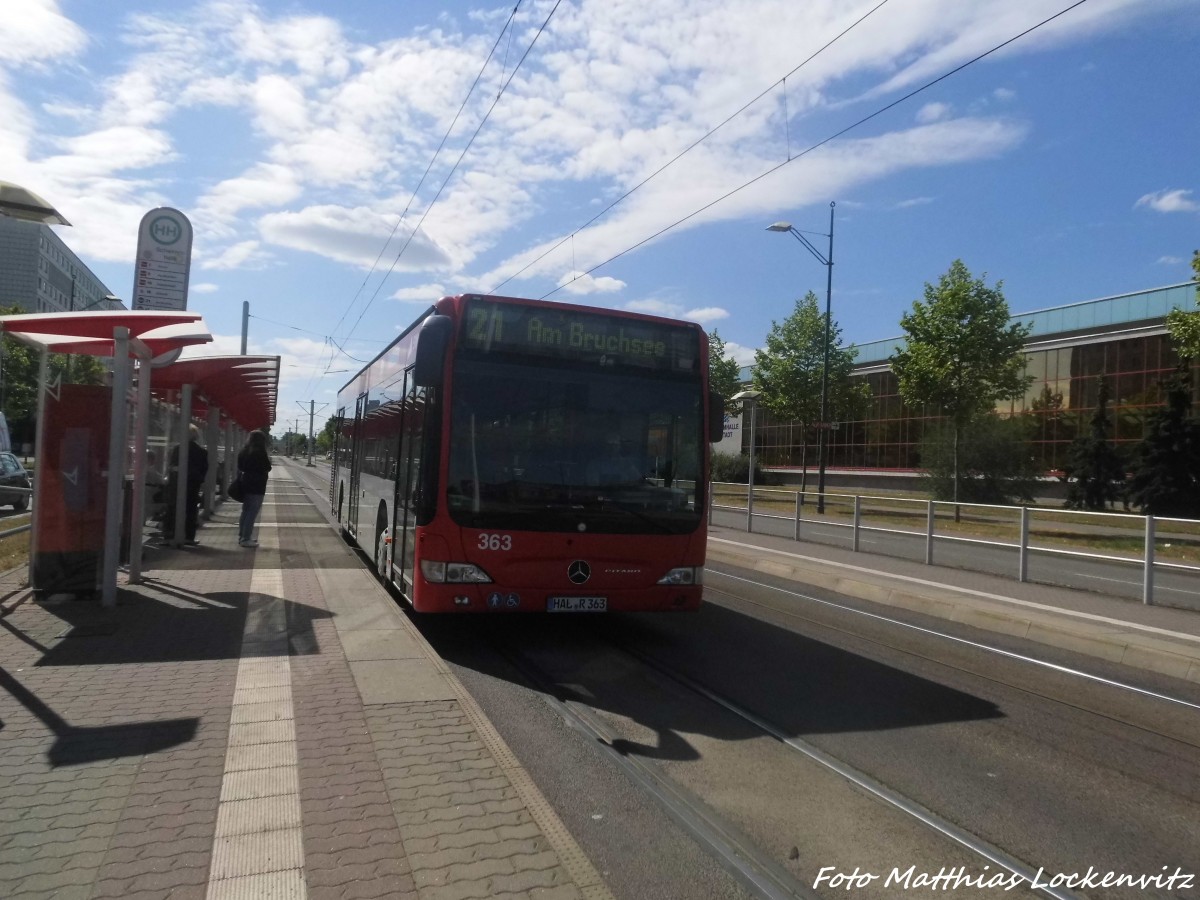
(749, 394)
(780, 226)
(21, 203)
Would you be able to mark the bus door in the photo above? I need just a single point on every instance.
(358, 445)
(408, 479)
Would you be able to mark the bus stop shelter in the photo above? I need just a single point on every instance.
(79, 489)
(75, 491)
(232, 395)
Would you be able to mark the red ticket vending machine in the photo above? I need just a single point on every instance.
(71, 490)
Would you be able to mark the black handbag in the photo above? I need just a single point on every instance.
(235, 489)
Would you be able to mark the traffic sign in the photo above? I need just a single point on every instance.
(164, 260)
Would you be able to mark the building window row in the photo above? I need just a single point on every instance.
(1058, 406)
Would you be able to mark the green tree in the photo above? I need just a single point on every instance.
(1184, 325)
(20, 364)
(788, 373)
(1094, 469)
(327, 435)
(961, 355)
(993, 457)
(723, 371)
(1166, 464)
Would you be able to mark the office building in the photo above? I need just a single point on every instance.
(1122, 338)
(40, 273)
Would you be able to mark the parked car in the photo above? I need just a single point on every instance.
(13, 477)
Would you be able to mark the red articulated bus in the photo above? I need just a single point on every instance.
(507, 455)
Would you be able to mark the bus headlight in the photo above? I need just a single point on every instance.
(453, 573)
(684, 575)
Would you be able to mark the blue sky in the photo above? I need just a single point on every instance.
(295, 135)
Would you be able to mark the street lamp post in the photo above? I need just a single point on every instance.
(823, 426)
(747, 398)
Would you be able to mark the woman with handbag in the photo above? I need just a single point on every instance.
(253, 467)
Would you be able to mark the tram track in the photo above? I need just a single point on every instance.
(1188, 707)
(757, 871)
(762, 873)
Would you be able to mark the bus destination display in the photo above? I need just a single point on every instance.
(570, 334)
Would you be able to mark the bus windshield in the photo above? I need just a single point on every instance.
(556, 448)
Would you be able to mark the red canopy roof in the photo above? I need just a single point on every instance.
(92, 332)
(246, 388)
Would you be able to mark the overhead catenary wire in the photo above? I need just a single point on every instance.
(432, 161)
(457, 162)
(819, 144)
(320, 334)
(694, 145)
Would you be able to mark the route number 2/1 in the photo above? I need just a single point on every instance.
(495, 541)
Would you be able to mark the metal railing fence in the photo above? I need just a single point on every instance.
(1003, 540)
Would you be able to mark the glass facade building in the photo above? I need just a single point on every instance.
(40, 274)
(1122, 339)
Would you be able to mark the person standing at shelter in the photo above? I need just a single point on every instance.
(254, 466)
(197, 468)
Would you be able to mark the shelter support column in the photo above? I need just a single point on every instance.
(212, 438)
(39, 454)
(141, 425)
(181, 468)
(116, 467)
(231, 452)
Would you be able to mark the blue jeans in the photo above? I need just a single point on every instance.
(251, 504)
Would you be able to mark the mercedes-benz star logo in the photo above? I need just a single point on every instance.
(579, 572)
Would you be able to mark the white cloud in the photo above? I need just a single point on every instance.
(709, 173)
(38, 32)
(579, 283)
(424, 293)
(264, 185)
(706, 314)
(933, 112)
(1169, 201)
(351, 235)
(913, 201)
(671, 310)
(243, 255)
(203, 287)
(743, 355)
(327, 131)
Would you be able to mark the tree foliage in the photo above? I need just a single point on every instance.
(1184, 325)
(734, 468)
(1166, 479)
(961, 355)
(20, 363)
(723, 371)
(788, 371)
(994, 462)
(1094, 468)
(327, 434)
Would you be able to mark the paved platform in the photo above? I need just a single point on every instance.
(267, 723)
(257, 723)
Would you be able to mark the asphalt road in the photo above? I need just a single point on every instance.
(1058, 771)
